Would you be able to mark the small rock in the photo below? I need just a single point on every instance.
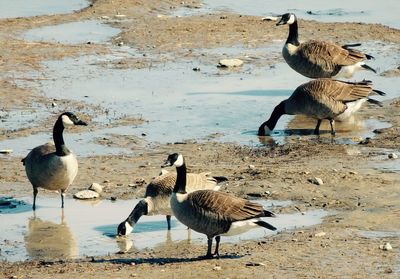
(196, 69)
(386, 247)
(96, 187)
(316, 181)
(104, 17)
(227, 63)
(86, 195)
(113, 198)
(53, 104)
(131, 185)
(393, 156)
(120, 43)
(217, 268)
(320, 234)
(120, 16)
(252, 167)
(352, 172)
(254, 264)
(6, 151)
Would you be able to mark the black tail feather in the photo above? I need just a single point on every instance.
(375, 102)
(269, 214)
(369, 57)
(379, 92)
(220, 178)
(365, 66)
(351, 45)
(266, 225)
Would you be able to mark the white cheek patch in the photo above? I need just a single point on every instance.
(66, 120)
(292, 19)
(179, 161)
(267, 130)
(128, 228)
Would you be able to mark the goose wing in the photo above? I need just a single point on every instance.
(329, 54)
(164, 184)
(224, 206)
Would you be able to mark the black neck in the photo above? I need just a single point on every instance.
(61, 149)
(140, 209)
(180, 185)
(279, 110)
(293, 37)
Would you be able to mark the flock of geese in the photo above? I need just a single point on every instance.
(194, 198)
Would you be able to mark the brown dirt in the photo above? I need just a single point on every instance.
(363, 197)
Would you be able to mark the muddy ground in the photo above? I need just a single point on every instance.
(362, 196)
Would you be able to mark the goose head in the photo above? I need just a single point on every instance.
(124, 229)
(287, 18)
(264, 130)
(174, 160)
(69, 119)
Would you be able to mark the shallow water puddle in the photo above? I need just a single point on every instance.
(23, 8)
(341, 10)
(210, 104)
(89, 228)
(92, 31)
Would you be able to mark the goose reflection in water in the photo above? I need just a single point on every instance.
(48, 240)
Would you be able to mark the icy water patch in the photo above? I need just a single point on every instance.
(23, 8)
(89, 228)
(333, 11)
(92, 31)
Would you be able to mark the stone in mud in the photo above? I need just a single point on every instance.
(386, 247)
(86, 195)
(393, 156)
(228, 63)
(316, 180)
(96, 187)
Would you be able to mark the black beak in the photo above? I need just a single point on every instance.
(281, 22)
(167, 163)
(80, 122)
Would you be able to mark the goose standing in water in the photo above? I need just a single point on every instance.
(323, 99)
(214, 214)
(319, 59)
(158, 195)
(53, 166)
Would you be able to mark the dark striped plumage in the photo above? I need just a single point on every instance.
(323, 99)
(320, 59)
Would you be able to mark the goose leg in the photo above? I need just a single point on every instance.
(217, 240)
(333, 131)
(316, 130)
(62, 198)
(35, 191)
(209, 242)
(168, 221)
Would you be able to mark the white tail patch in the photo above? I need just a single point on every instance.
(352, 107)
(348, 71)
(240, 227)
(66, 120)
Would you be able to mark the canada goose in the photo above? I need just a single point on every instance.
(319, 59)
(213, 213)
(323, 99)
(158, 195)
(53, 166)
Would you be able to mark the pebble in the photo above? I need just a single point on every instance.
(254, 264)
(227, 63)
(386, 247)
(316, 181)
(320, 234)
(120, 43)
(96, 187)
(6, 151)
(217, 268)
(352, 172)
(252, 167)
(86, 194)
(393, 156)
